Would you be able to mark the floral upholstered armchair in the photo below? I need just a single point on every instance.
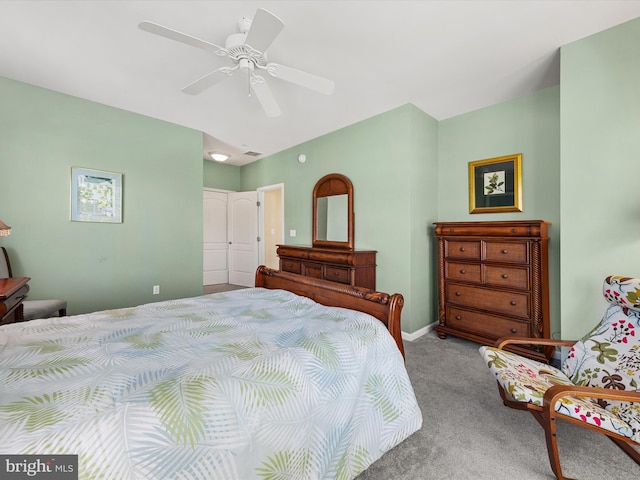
(598, 386)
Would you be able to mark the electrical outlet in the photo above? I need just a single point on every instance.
(156, 289)
(292, 233)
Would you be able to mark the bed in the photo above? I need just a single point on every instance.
(295, 378)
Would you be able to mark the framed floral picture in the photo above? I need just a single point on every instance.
(495, 184)
(96, 196)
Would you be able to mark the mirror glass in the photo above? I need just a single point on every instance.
(333, 212)
(333, 219)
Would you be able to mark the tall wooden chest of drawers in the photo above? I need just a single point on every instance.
(351, 267)
(493, 282)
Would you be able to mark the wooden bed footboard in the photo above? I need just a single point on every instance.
(384, 307)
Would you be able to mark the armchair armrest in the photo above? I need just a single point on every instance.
(553, 394)
(533, 341)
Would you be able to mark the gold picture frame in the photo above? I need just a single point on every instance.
(495, 184)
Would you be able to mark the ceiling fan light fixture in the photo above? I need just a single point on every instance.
(219, 157)
(247, 51)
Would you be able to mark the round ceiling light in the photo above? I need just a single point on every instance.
(219, 157)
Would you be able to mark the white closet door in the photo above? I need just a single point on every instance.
(243, 217)
(215, 244)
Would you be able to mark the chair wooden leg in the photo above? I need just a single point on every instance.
(549, 425)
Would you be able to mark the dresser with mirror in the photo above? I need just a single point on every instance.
(332, 255)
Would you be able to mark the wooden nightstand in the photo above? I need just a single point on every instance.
(12, 293)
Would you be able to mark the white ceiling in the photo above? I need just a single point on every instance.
(445, 57)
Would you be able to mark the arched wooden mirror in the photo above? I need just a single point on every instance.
(333, 212)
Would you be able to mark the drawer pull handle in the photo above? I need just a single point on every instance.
(513, 330)
(462, 249)
(513, 302)
(463, 271)
(504, 275)
(458, 317)
(458, 294)
(505, 251)
(514, 230)
(335, 274)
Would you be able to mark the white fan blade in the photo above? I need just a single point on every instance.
(299, 77)
(265, 97)
(181, 37)
(208, 80)
(265, 27)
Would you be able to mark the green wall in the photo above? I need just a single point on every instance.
(529, 125)
(221, 175)
(390, 160)
(96, 266)
(600, 200)
(423, 147)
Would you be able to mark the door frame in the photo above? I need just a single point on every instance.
(263, 245)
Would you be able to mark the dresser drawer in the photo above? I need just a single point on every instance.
(492, 229)
(512, 252)
(490, 326)
(15, 298)
(10, 305)
(335, 274)
(312, 269)
(293, 266)
(512, 277)
(509, 303)
(462, 249)
(463, 271)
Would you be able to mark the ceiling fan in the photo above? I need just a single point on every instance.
(247, 51)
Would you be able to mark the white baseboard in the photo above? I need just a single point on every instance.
(410, 337)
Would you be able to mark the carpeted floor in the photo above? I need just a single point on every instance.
(468, 433)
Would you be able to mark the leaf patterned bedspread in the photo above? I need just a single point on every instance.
(252, 383)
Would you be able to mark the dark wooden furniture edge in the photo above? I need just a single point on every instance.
(12, 290)
(386, 308)
(499, 228)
